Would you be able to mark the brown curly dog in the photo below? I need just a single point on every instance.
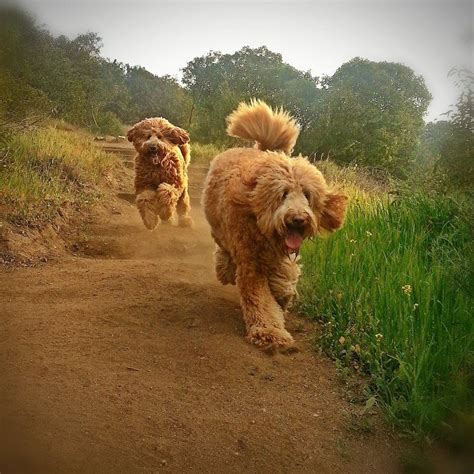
(261, 205)
(161, 178)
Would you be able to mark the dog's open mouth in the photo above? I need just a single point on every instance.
(293, 240)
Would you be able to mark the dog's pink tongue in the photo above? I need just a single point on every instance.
(293, 241)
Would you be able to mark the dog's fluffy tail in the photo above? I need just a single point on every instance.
(273, 130)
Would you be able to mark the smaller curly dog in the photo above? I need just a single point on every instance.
(261, 204)
(161, 178)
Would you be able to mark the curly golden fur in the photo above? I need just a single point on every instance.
(161, 178)
(261, 204)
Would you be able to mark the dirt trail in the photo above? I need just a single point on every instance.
(130, 357)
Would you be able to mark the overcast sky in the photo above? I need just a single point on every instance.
(429, 36)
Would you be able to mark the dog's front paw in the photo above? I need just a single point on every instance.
(185, 221)
(270, 337)
(146, 203)
(149, 218)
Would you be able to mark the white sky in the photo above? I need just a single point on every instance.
(429, 36)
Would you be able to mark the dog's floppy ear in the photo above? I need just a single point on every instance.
(334, 211)
(131, 134)
(177, 135)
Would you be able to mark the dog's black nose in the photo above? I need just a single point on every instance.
(153, 148)
(298, 221)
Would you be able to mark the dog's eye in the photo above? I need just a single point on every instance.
(284, 195)
(307, 195)
(148, 136)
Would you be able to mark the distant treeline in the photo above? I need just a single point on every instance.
(367, 112)
(70, 79)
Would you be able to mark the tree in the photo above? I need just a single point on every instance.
(40, 73)
(456, 147)
(152, 96)
(218, 82)
(18, 37)
(432, 139)
(372, 114)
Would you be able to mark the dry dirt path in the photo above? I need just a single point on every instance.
(130, 357)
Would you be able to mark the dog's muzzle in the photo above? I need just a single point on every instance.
(155, 153)
(153, 148)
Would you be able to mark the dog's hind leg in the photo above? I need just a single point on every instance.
(146, 202)
(166, 200)
(183, 208)
(225, 266)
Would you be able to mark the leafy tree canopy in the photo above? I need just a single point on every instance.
(218, 82)
(372, 113)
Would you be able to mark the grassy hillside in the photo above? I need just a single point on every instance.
(46, 169)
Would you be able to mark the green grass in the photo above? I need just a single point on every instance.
(202, 154)
(45, 169)
(393, 290)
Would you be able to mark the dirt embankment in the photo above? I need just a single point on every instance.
(126, 355)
